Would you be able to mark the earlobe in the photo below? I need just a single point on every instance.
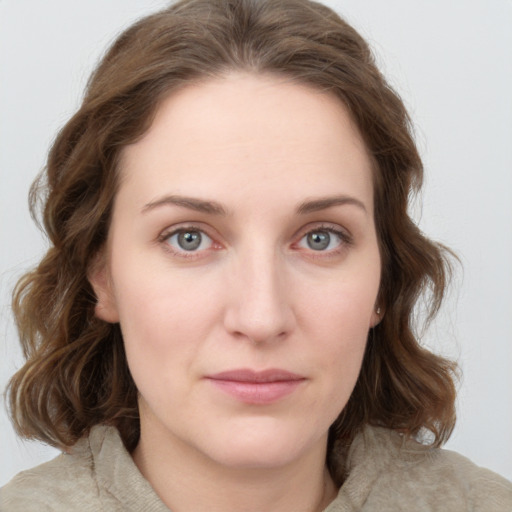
(99, 278)
(376, 317)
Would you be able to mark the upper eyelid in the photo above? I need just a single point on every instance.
(184, 226)
(344, 238)
(164, 236)
(326, 226)
(171, 231)
(216, 237)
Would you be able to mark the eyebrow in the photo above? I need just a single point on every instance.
(316, 205)
(198, 205)
(215, 208)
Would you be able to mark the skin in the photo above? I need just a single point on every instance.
(255, 294)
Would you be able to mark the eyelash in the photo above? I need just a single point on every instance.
(167, 235)
(344, 240)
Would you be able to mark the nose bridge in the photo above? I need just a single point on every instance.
(260, 307)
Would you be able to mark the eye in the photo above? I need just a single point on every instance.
(189, 240)
(324, 239)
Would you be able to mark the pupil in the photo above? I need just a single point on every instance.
(189, 240)
(318, 240)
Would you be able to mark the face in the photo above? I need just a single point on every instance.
(243, 266)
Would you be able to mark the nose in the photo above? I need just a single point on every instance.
(259, 308)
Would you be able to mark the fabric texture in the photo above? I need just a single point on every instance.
(385, 474)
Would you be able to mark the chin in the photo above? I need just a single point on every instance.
(254, 456)
(261, 447)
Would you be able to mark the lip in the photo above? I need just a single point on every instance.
(257, 387)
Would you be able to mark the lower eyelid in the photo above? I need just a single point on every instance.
(345, 239)
(213, 243)
(342, 235)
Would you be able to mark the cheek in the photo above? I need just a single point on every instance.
(343, 308)
(339, 321)
(344, 346)
(164, 320)
(341, 371)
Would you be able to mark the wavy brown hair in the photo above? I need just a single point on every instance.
(76, 374)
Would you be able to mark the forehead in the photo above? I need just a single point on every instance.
(243, 131)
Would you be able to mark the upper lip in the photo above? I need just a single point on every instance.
(248, 375)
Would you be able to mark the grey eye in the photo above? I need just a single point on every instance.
(189, 240)
(318, 240)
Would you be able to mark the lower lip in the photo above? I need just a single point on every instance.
(260, 393)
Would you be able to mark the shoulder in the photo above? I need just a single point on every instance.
(97, 474)
(60, 484)
(437, 479)
(483, 489)
(65, 483)
(398, 474)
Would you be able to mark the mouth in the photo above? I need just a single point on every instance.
(256, 387)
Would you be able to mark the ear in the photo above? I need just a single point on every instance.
(99, 278)
(376, 317)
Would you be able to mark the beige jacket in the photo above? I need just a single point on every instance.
(385, 475)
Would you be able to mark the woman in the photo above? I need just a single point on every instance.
(223, 320)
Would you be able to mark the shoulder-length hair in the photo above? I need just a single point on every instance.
(76, 374)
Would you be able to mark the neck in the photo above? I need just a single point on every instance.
(186, 479)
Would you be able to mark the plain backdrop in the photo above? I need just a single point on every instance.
(452, 64)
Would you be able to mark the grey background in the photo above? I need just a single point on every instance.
(452, 64)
